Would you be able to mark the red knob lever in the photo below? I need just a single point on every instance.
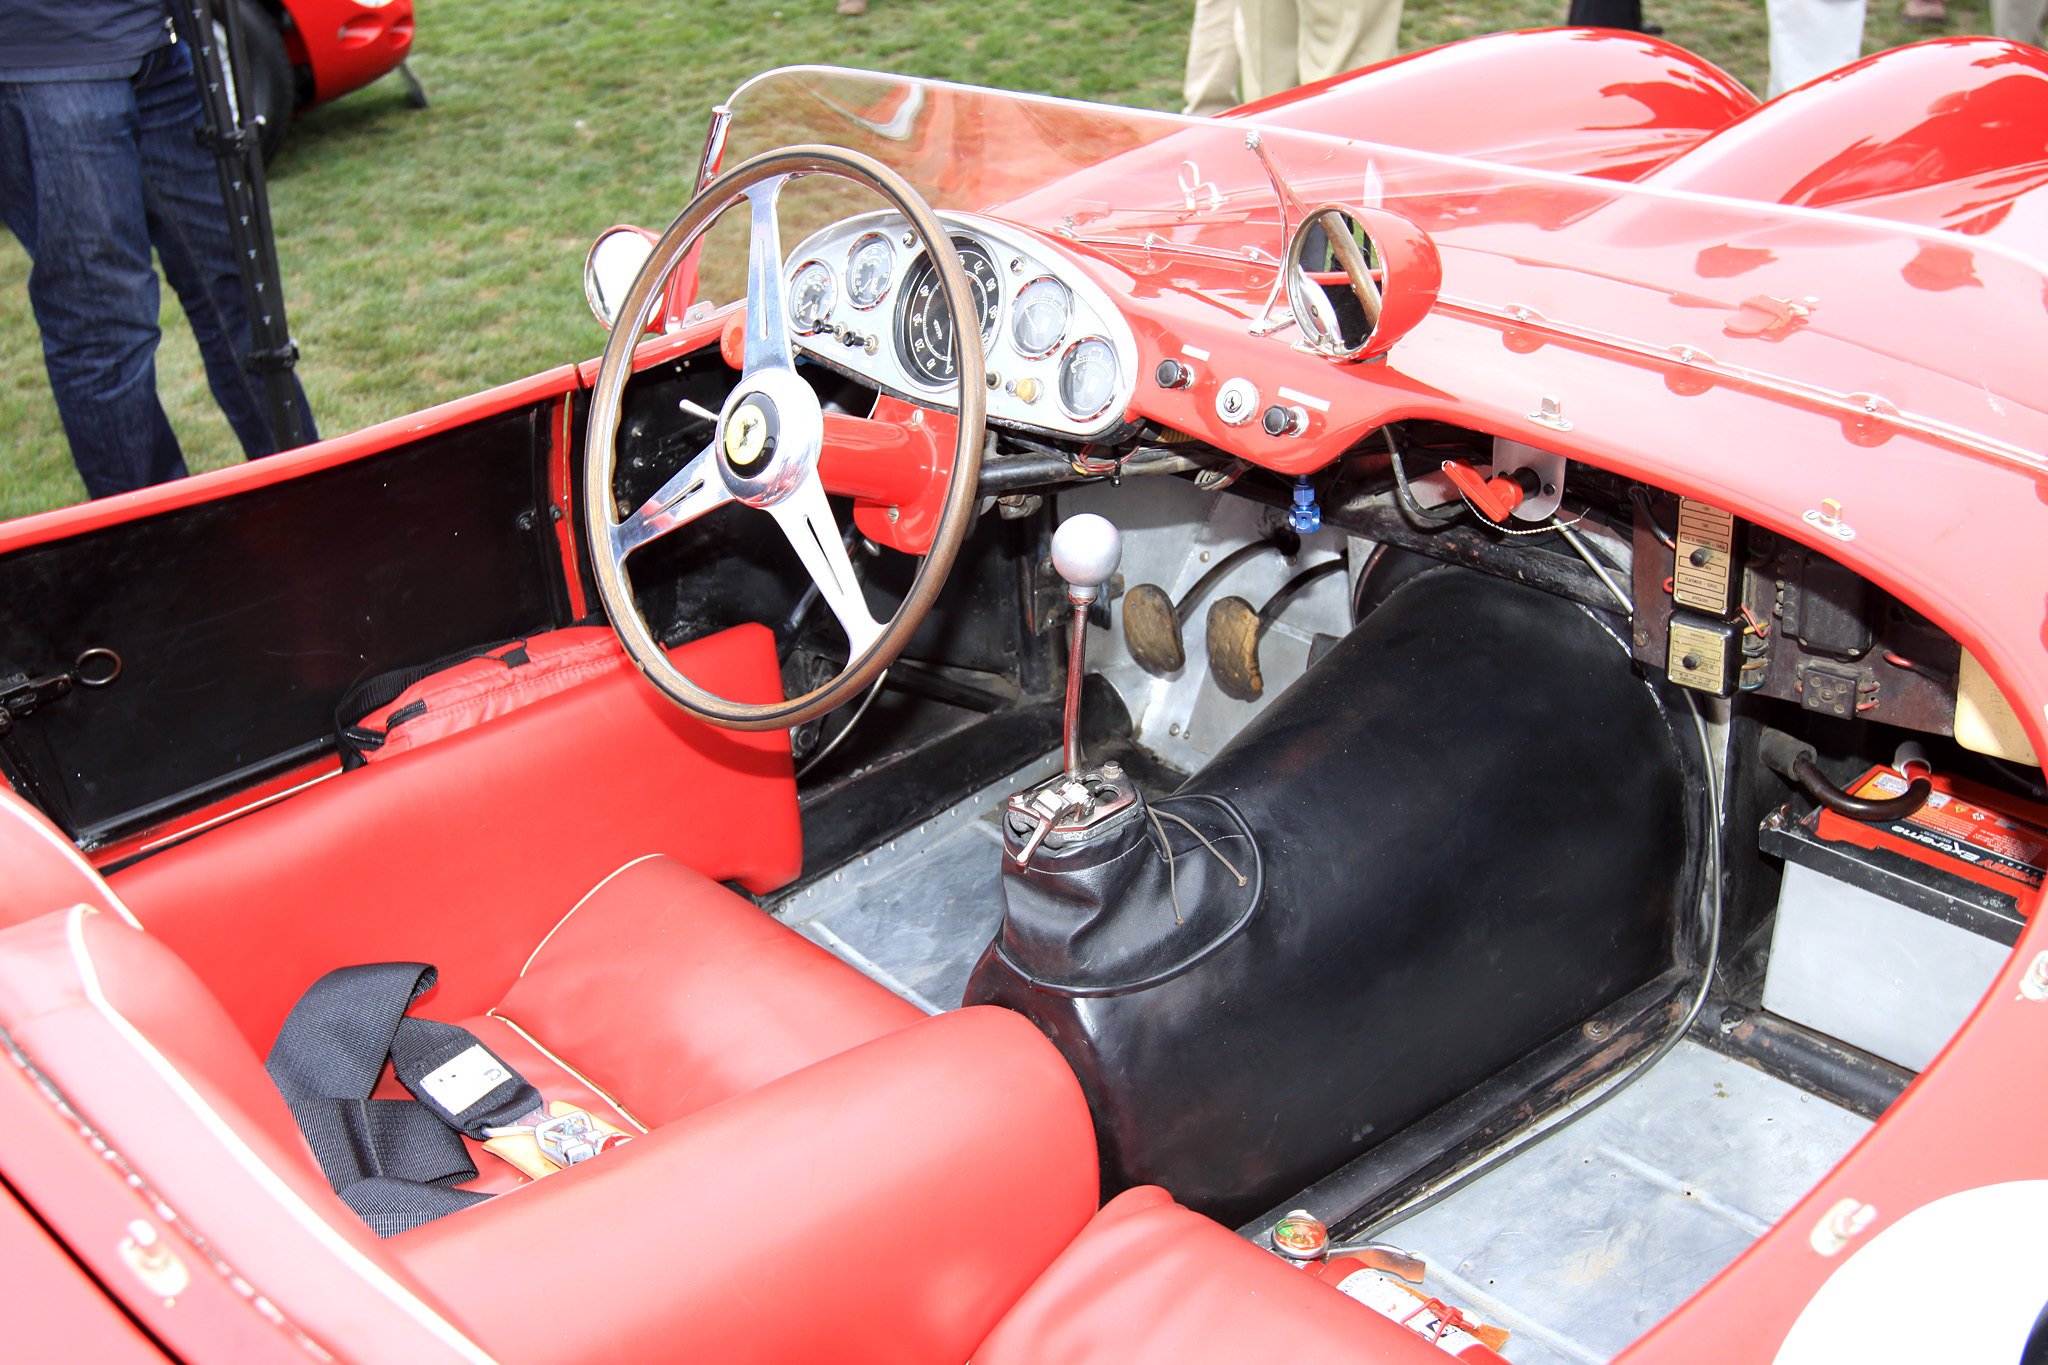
(1496, 498)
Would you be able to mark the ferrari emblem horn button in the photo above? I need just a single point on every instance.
(750, 435)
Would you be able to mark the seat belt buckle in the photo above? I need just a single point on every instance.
(554, 1139)
(573, 1138)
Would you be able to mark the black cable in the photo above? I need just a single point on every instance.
(1640, 496)
(1405, 496)
(2017, 775)
(1816, 785)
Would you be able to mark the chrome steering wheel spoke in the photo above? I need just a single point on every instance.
(694, 489)
(767, 332)
(806, 518)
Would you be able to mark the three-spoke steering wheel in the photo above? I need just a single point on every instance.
(771, 434)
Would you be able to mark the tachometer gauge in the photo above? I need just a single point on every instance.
(1040, 318)
(1088, 378)
(811, 296)
(924, 327)
(868, 268)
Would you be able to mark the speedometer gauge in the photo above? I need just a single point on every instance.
(1040, 318)
(1088, 378)
(924, 325)
(868, 268)
(811, 296)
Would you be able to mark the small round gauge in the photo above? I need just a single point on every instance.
(1088, 378)
(812, 293)
(924, 328)
(868, 268)
(1039, 320)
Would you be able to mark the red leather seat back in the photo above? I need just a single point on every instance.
(884, 1205)
(465, 851)
(1152, 1283)
(671, 994)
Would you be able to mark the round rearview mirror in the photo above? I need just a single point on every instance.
(1359, 279)
(609, 270)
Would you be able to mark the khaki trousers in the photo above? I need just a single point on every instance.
(1211, 83)
(1285, 43)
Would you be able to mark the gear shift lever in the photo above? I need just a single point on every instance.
(1085, 551)
(1076, 807)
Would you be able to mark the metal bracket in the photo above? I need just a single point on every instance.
(1509, 456)
(21, 696)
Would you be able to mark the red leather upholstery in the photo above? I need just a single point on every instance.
(134, 1042)
(670, 994)
(464, 852)
(884, 1205)
(1152, 1283)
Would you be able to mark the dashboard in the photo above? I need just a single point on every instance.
(864, 298)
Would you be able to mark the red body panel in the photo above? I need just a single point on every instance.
(1588, 101)
(52, 1309)
(347, 44)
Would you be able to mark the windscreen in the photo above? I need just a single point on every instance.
(1887, 327)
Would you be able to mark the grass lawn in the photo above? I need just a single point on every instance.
(431, 253)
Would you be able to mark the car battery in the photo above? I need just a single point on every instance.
(1888, 933)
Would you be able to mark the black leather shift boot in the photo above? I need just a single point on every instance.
(1114, 912)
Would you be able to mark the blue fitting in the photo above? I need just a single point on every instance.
(1305, 516)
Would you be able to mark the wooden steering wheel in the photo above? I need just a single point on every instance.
(770, 436)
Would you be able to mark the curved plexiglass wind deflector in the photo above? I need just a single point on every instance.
(1865, 323)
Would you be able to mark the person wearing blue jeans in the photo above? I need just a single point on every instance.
(98, 164)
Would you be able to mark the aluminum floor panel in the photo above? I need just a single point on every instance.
(916, 914)
(1582, 1243)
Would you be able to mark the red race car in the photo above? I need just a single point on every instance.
(302, 53)
(1400, 726)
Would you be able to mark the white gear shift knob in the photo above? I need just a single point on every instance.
(1085, 551)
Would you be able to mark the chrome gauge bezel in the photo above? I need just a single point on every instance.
(1017, 315)
(860, 244)
(832, 300)
(869, 345)
(1115, 381)
(968, 244)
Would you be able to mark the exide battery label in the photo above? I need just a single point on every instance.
(1967, 832)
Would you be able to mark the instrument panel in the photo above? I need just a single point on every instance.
(864, 298)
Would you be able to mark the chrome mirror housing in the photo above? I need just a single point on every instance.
(1358, 280)
(608, 271)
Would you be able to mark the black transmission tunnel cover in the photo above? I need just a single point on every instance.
(1463, 832)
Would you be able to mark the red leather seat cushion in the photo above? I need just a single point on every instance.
(1151, 1283)
(463, 852)
(669, 993)
(884, 1205)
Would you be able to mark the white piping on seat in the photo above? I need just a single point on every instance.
(270, 1182)
(592, 1086)
(64, 847)
(578, 906)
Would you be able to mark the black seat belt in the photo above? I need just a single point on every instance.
(391, 1160)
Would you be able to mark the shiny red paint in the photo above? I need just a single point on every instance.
(348, 44)
(1951, 133)
(1586, 101)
